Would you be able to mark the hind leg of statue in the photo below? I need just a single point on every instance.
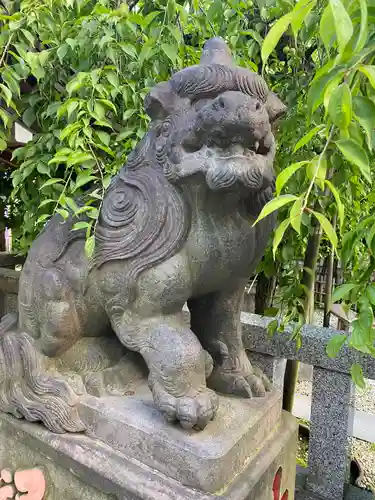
(178, 366)
(215, 319)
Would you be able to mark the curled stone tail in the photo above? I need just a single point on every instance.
(28, 389)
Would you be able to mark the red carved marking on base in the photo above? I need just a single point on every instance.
(276, 487)
(31, 482)
(7, 476)
(7, 492)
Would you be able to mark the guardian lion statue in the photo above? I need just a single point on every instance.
(176, 226)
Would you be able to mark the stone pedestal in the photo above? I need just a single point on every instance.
(130, 452)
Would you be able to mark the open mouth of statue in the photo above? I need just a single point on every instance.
(236, 151)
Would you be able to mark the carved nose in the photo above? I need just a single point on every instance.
(239, 107)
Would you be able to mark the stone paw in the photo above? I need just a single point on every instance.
(193, 410)
(247, 383)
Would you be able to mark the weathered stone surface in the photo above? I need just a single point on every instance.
(175, 226)
(206, 461)
(273, 368)
(312, 351)
(331, 424)
(77, 467)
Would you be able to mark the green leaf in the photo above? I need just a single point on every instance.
(357, 375)
(29, 37)
(370, 292)
(366, 316)
(90, 246)
(64, 213)
(274, 35)
(364, 113)
(5, 117)
(369, 71)
(76, 83)
(275, 204)
(104, 137)
(46, 202)
(71, 204)
(300, 12)
(327, 228)
(272, 327)
(254, 34)
(145, 53)
(317, 89)
(356, 155)
(343, 24)
(128, 113)
(340, 106)
(43, 168)
(296, 215)
(113, 79)
(278, 236)
(82, 180)
(125, 134)
(339, 203)
(7, 94)
(355, 133)
(62, 51)
(99, 110)
(50, 182)
(170, 51)
(286, 174)
(109, 105)
(79, 157)
(80, 225)
(307, 138)
(362, 37)
(42, 218)
(327, 28)
(129, 50)
(29, 117)
(342, 291)
(71, 107)
(370, 239)
(317, 170)
(334, 345)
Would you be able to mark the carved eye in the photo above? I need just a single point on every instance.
(166, 129)
(199, 104)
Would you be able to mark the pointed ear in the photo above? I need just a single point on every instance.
(161, 101)
(276, 109)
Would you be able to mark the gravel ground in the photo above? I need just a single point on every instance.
(365, 401)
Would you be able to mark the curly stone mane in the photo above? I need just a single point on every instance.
(143, 219)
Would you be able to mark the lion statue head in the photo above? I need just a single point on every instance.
(210, 125)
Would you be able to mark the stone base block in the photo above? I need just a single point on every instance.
(206, 460)
(247, 454)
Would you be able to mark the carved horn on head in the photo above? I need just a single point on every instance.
(216, 51)
(276, 109)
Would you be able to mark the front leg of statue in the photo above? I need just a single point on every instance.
(177, 374)
(215, 319)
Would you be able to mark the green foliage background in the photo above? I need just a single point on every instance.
(91, 63)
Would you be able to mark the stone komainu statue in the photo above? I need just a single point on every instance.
(175, 227)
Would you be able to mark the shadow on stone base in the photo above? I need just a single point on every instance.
(79, 467)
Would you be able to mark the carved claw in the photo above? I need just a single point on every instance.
(194, 410)
(241, 378)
